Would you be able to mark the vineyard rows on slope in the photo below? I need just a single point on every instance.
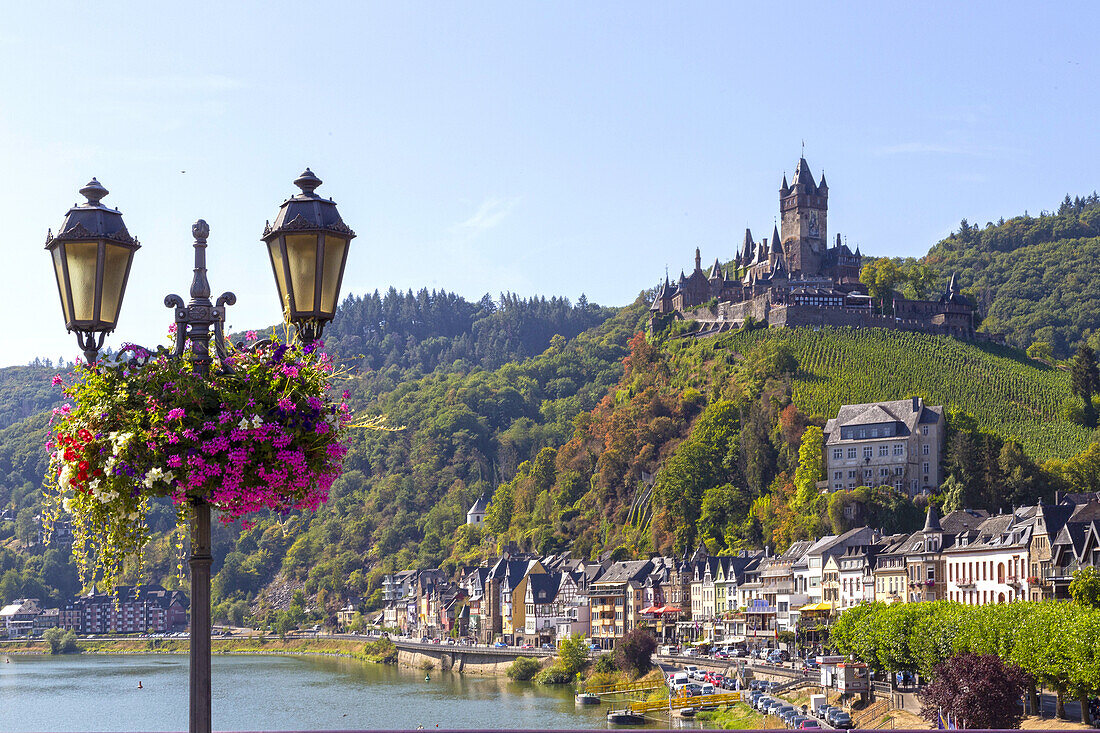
(1006, 392)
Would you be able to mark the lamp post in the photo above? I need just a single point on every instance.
(92, 253)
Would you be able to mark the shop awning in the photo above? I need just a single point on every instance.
(817, 607)
(670, 609)
(653, 609)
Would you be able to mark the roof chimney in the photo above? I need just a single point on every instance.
(916, 404)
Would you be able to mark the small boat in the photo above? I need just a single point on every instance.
(587, 698)
(625, 717)
(687, 712)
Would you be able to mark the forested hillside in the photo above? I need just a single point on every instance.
(591, 435)
(1034, 278)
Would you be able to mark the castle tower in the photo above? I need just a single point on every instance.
(804, 207)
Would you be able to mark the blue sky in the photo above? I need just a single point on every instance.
(539, 148)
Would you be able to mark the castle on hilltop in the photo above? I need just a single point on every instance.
(796, 279)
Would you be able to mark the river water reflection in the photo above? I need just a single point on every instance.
(100, 693)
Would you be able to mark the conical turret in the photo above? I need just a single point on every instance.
(747, 247)
(784, 189)
(932, 521)
(716, 270)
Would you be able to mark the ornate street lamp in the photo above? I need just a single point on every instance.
(92, 253)
(308, 246)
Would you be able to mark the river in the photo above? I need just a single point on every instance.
(100, 693)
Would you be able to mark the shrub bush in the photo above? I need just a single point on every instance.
(555, 675)
(605, 664)
(523, 669)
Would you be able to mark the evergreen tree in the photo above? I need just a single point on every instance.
(1086, 380)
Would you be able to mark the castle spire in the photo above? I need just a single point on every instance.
(823, 188)
(775, 239)
(784, 189)
(747, 247)
(698, 260)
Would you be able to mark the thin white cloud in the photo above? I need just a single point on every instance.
(488, 216)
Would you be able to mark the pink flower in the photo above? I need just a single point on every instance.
(176, 414)
(57, 380)
(289, 371)
(286, 404)
(250, 335)
(174, 462)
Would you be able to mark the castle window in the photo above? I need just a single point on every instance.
(883, 451)
(924, 467)
(851, 452)
(851, 474)
(874, 432)
(838, 453)
(924, 430)
(867, 452)
(899, 449)
(924, 449)
(838, 474)
(884, 472)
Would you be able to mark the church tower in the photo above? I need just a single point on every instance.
(804, 206)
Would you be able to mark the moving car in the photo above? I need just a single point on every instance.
(809, 724)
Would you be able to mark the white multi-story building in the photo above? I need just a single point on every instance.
(989, 564)
(898, 443)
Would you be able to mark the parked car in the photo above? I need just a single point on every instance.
(762, 702)
(708, 689)
(796, 720)
(823, 712)
(693, 689)
(500, 645)
(809, 724)
(690, 669)
(842, 720)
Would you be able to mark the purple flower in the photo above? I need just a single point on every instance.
(57, 380)
(286, 404)
(177, 413)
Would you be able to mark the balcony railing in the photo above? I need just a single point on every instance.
(965, 583)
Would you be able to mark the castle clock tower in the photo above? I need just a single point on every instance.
(804, 207)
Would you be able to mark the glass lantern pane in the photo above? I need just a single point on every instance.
(115, 262)
(82, 262)
(334, 261)
(301, 253)
(66, 306)
(277, 264)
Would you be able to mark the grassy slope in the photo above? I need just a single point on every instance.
(1008, 393)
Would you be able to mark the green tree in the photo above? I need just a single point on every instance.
(573, 654)
(1085, 587)
(1041, 351)
(1086, 381)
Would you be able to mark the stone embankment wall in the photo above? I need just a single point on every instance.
(488, 661)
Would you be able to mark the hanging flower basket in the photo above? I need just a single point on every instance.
(262, 432)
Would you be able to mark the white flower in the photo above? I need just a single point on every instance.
(243, 424)
(154, 474)
(67, 505)
(257, 421)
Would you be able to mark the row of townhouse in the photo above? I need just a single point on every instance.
(752, 597)
(131, 610)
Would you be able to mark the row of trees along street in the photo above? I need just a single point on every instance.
(1054, 644)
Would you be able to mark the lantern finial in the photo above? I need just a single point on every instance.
(307, 182)
(93, 191)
